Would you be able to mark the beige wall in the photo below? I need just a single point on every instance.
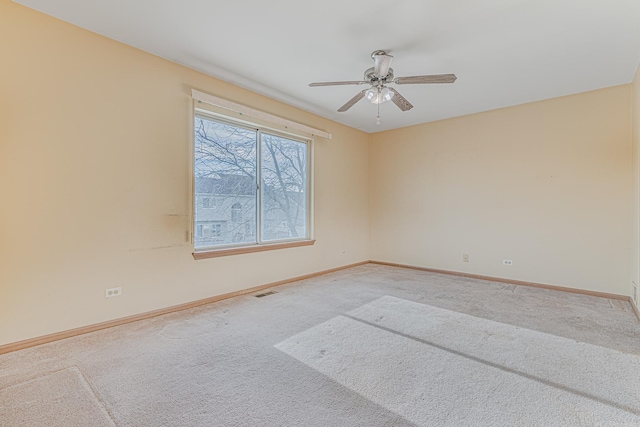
(545, 184)
(94, 183)
(635, 198)
(94, 186)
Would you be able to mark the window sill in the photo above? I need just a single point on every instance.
(215, 253)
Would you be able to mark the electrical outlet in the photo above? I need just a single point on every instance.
(465, 257)
(113, 292)
(507, 262)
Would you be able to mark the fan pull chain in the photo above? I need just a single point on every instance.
(378, 116)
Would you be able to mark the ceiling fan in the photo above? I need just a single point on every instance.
(381, 75)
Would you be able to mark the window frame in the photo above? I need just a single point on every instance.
(259, 244)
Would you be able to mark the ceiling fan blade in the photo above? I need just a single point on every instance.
(400, 101)
(336, 83)
(352, 101)
(434, 78)
(382, 64)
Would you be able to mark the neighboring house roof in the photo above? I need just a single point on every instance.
(241, 185)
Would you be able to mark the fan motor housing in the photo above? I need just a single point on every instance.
(371, 78)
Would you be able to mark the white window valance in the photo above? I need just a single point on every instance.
(256, 114)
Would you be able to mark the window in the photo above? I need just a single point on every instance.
(253, 183)
(213, 230)
(236, 212)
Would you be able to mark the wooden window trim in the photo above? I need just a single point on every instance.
(215, 253)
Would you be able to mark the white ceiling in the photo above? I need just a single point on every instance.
(504, 52)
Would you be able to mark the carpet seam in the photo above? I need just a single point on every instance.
(34, 378)
(83, 376)
(99, 398)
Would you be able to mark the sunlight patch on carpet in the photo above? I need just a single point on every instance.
(435, 366)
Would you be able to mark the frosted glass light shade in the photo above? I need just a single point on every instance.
(378, 96)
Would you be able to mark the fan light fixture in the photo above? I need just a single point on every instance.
(378, 95)
(379, 76)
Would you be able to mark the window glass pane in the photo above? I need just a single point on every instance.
(284, 187)
(225, 184)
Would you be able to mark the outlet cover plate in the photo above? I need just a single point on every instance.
(113, 292)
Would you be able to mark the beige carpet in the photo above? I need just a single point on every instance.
(48, 399)
(368, 346)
